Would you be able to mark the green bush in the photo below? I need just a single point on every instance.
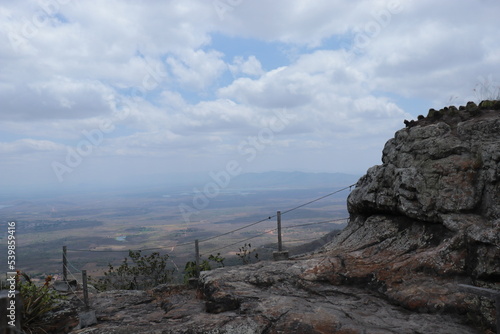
(144, 272)
(217, 259)
(190, 268)
(36, 301)
(246, 254)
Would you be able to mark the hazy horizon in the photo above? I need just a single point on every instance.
(187, 183)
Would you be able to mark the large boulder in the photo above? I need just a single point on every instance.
(428, 218)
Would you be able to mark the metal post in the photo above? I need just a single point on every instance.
(85, 289)
(65, 265)
(280, 244)
(197, 254)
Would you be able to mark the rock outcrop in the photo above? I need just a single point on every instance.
(266, 297)
(422, 222)
(429, 216)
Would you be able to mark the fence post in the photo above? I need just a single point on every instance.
(197, 254)
(85, 289)
(65, 264)
(280, 254)
(87, 317)
(280, 244)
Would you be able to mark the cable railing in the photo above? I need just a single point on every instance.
(173, 248)
(268, 218)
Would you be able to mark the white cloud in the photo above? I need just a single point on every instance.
(273, 90)
(428, 52)
(56, 98)
(292, 21)
(29, 146)
(251, 66)
(348, 74)
(326, 94)
(196, 69)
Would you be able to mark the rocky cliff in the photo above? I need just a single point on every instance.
(425, 220)
(429, 216)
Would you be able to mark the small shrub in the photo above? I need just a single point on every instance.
(37, 301)
(246, 254)
(217, 259)
(190, 268)
(487, 89)
(145, 271)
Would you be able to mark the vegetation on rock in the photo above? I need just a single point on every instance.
(190, 268)
(246, 254)
(145, 271)
(37, 301)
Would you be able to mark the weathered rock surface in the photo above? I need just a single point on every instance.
(266, 297)
(434, 170)
(424, 221)
(429, 216)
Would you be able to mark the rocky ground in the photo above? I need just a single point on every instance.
(268, 297)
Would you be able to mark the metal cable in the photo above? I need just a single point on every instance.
(223, 234)
(317, 199)
(240, 241)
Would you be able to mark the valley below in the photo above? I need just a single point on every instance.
(100, 228)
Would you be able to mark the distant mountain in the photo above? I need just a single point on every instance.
(292, 180)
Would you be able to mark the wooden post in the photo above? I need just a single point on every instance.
(197, 254)
(483, 292)
(280, 254)
(280, 244)
(65, 264)
(87, 317)
(85, 289)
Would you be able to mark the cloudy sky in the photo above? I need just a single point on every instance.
(116, 92)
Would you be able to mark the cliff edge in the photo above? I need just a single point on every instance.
(428, 218)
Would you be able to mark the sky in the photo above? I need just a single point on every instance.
(105, 93)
